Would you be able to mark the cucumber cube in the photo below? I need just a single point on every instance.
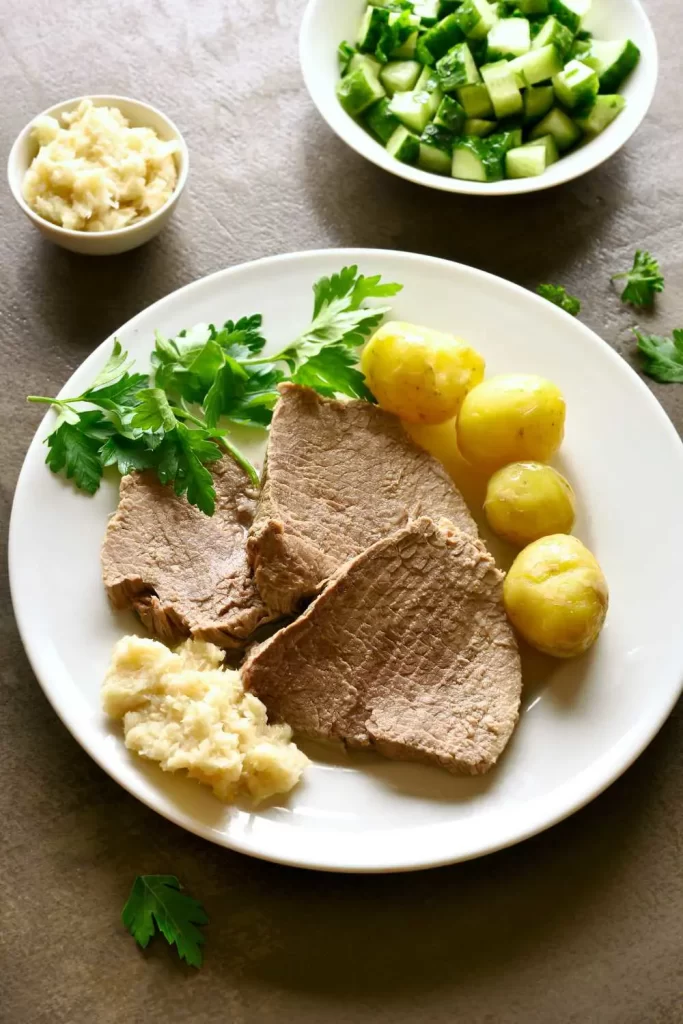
(560, 126)
(612, 62)
(538, 100)
(359, 90)
(437, 41)
(447, 7)
(374, 22)
(509, 37)
(476, 160)
(450, 115)
(380, 121)
(551, 151)
(476, 18)
(570, 12)
(415, 109)
(364, 60)
(457, 68)
(537, 65)
(428, 80)
(533, 6)
(553, 31)
(476, 126)
(525, 162)
(400, 75)
(436, 150)
(344, 54)
(501, 83)
(605, 110)
(576, 87)
(399, 39)
(404, 146)
(475, 100)
(427, 11)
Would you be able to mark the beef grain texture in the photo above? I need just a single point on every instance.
(183, 572)
(407, 650)
(338, 477)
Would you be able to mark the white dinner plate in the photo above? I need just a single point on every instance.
(582, 723)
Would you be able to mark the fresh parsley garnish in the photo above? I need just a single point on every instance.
(643, 281)
(168, 421)
(662, 358)
(558, 295)
(156, 901)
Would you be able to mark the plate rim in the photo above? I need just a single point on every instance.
(613, 763)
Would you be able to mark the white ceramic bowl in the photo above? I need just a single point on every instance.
(101, 243)
(327, 22)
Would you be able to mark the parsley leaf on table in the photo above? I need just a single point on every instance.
(156, 901)
(643, 281)
(662, 357)
(558, 295)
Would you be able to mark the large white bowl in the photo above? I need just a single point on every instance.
(327, 22)
(101, 243)
(582, 722)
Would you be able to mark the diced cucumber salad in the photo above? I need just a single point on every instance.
(479, 90)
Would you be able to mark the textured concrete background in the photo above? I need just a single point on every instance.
(582, 924)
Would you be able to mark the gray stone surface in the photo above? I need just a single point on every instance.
(581, 924)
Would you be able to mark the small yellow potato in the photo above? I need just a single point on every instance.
(419, 374)
(556, 596)
(511, 418)
(527, 500)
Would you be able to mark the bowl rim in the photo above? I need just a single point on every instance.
(509, 186)
(99, 99)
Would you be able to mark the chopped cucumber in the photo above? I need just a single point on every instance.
(525, 161)
(570, 12)
(359, 90)
(447, 7)
(478, 127)
(428, 80)
(553, 31)
(364, 60)
(437, 41)
(501, 83)
(533, 6)
(450, 115)
(475, 100)
(604, 111)
(415, 109)
(560, 126)
(537, 65)
(538, 100)
(476, 160)
(503, 141)
(380, 121)
(457, 68)
(576, 87)
(400, 75)
(427, 11)
(404, 146)
(550, 146)
(612, 62)
(401, 41)
(375, 20)
(436, 150)
(509, 37)
(344, 54)
(476, 18)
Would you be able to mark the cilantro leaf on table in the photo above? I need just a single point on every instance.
(157, 901)
(559, 296)
(643, 281)
(662, 357)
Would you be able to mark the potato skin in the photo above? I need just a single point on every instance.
(556, 596)
(420, 375)
(511, 418)
(528, 500)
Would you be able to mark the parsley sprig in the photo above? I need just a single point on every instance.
(559, 296)
(169, 420)
(156, 901)
(643, 280)
(662, 357)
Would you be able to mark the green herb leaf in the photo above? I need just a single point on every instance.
(156, 901)
(228, 386)
(662, 357)
(558, 295)
(114, 369)
(127, 455)
(333, 371)
(643, 281)
(192, 477)
(153, 411)
(73, 449)
(243, 397)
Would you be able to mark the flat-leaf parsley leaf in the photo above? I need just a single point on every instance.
(156, 901)
(662, 357)
(558, 295)
(643, 281)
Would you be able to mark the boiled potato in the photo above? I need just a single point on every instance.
(527, 500)
(419, 374)
(512, 418)
(556, 596)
